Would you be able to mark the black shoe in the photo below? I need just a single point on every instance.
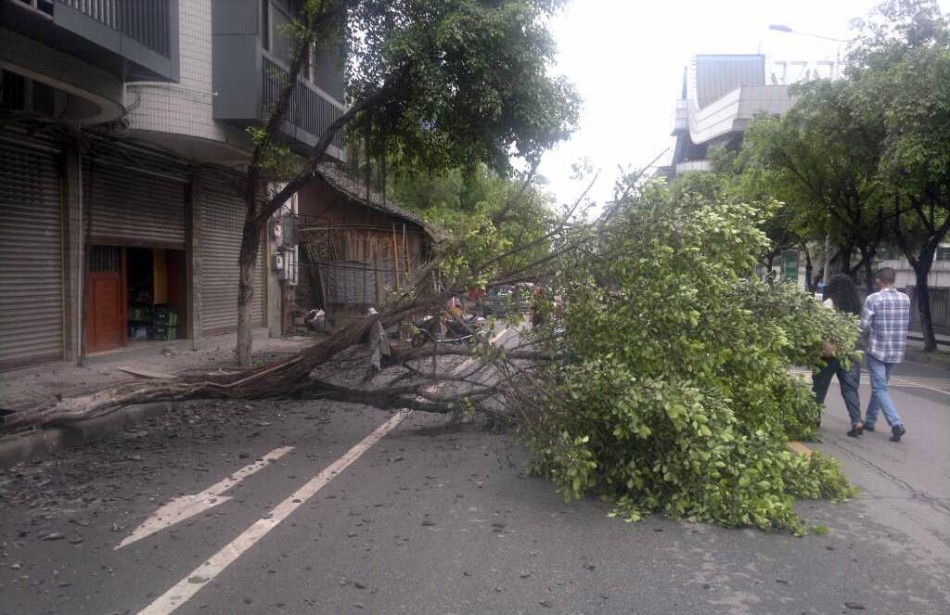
(896, 432)
(856, 431)
(868, 427)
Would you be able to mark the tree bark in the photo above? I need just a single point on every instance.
(867, 260)
(250, 245)
(922, 294)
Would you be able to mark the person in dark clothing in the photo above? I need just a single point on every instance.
(841, 294)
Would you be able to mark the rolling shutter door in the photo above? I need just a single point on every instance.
(219, 246)
(31, 268)
(136, 209)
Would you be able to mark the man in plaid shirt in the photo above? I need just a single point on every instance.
(885, 317)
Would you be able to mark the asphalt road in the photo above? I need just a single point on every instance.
(438, 517)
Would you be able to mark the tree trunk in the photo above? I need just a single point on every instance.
(922, 293)
(867, 259)
(845, 255)
(248, 259)
(809, 271)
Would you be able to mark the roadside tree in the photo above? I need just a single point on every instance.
(821, 159)
(902, 77)
(441, 82)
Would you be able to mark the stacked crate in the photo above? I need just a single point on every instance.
(164, 324)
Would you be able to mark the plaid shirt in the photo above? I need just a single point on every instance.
(886, 317)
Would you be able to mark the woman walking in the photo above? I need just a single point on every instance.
(841, 294)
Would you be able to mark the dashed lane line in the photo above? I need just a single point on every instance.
(217, 563)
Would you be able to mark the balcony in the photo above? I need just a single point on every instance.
(132, 40)
(250, 67)
(311, 111)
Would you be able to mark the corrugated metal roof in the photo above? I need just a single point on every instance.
(337, 178)
(717, 75)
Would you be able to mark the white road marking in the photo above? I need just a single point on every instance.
(215, 565)
(469, 362)
(900, 382)
(188, 506)
(895, 381)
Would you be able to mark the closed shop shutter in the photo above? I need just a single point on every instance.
(135, 209)
(221, 225)
(31, 267)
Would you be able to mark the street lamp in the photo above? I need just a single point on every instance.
(777, 27)
(780, 27)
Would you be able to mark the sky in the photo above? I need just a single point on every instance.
(626, 59)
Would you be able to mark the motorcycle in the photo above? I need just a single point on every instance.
(431, 328)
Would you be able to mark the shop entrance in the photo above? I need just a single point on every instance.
(134, 294)
(156, 294)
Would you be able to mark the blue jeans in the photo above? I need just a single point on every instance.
(880, 373)
(849, 379)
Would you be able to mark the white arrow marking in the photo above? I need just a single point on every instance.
(203, 574)
(187, 506)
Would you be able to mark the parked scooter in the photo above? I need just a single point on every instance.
(432, 328)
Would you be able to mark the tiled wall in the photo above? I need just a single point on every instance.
(186, 107)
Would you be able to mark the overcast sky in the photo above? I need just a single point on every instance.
(626, 59)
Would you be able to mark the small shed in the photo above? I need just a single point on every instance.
(356, 248)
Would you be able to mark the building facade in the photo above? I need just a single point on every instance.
(124, 135)
(721, 95)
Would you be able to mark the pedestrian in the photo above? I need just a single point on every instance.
(885, 318)
(842, 295)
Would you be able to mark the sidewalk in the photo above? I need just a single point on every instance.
(27, 386)
(938, 358)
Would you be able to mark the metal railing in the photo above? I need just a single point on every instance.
(311, 109)
(144, 21)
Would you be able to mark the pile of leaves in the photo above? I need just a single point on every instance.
(675, 393)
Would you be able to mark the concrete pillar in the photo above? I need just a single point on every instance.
(193, 205)
(74, 211)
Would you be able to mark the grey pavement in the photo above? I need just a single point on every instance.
(439, 517)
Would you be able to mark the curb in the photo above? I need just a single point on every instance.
(932, 359)
(20, 447)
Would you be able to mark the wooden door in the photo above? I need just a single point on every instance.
(105, 305)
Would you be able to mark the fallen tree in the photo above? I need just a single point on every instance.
(480, 249)
(657, 375)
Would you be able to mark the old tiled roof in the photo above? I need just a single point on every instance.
(337, 178)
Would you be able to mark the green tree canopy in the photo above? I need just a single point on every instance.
(821, 159)
(463, 81)
(902, 80)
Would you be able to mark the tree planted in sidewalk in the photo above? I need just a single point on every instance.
(902, 75)
(821, 159)
(441, 82)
